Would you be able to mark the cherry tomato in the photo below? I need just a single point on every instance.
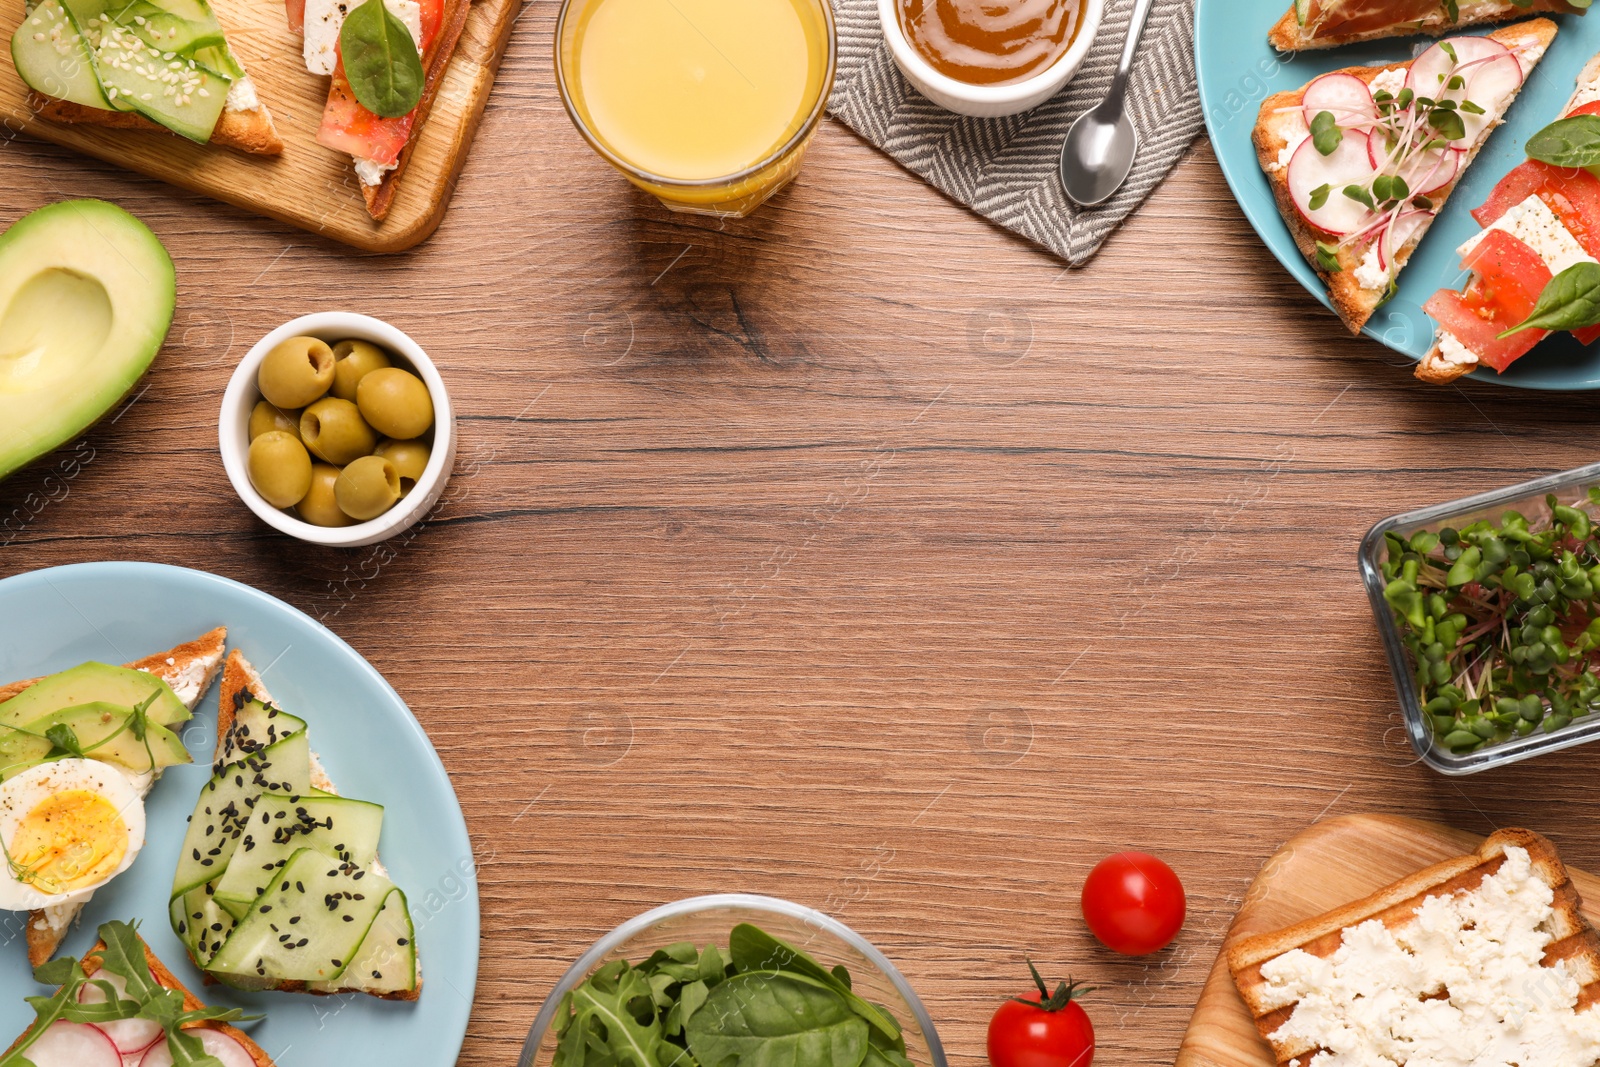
(1042, 1029)
(1133, 903)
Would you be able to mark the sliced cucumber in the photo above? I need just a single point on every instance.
(90, 682)
(158, 25)
(255, 726)
(53, 58)
(308, 925)
(103, 732)
(178, 93)
(386, 962)
(281, 826)
(200, 923)
(226, 804)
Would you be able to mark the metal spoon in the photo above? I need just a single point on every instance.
(1101, 145)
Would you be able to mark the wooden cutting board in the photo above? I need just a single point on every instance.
(1332, 863)
(308, 186)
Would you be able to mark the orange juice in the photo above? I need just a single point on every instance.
(695, 92)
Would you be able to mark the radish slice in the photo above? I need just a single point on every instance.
(1490, 73)
(1309, 170)
(1393, 238)
(216, 1043)
(67, 1044)
(1347, 96)
(129, 1035)
(1424, 172)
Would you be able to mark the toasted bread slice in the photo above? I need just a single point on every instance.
(1573, 944)
(1404, 18)
(1276, 123)
(241, 683)
(188, 669)
(1434, 368)
(167, 980)
(380, 197)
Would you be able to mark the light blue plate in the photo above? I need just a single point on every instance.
(1238, 70)
(373, 747)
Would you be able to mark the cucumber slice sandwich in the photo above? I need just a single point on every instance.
(279, 885)
(141, 64)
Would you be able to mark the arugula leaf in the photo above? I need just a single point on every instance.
(381, 60)
(776, 1019)
(1571, 301)
(63, 737)
(604, 1000)
(1325, 133)
(1570, 142)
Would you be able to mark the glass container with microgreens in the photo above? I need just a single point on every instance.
(1489, 609)
(1377, 158)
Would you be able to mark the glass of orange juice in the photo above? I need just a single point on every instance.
(708, 104)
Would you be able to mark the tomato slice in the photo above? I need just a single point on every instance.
(297, 15)
(1591, 108)
(349, 127)
(1573, 194)
(1331, 18)
(1508, 277)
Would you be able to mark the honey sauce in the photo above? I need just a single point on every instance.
(990, 42)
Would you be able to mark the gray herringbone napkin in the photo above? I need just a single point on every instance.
(1006, 169)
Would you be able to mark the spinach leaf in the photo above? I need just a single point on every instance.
(753, 949)
(776, 1019)
(1571, 301)
(381, 60)
(1573, 142)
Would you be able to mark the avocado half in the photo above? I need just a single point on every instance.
(86, 298)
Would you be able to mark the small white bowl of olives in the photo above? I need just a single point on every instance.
(336, 429)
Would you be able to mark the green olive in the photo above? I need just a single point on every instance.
(320, 507)
(279, 468)
(396, 403)
(367, 488)
(296, 372)
(410, 459)
(265, 417)
(334, 431)
(356, 359)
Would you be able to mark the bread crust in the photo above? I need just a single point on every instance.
(240, 684)
(380, 197)
(168, 980)
(1395, 904)
(42, 939)
(1353, 304)
(250, 131)
(1287, 35)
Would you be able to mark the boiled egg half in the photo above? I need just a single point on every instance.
(68, 827)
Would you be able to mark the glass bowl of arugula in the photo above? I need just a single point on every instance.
(716, 981)
(1489, 611)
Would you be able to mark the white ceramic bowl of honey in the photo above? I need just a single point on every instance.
(990, 100)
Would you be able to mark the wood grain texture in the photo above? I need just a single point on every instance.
(854, 552)
(308, 186)
(1325, 866)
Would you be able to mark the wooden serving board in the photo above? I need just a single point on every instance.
(308, 186)
(1332, 863)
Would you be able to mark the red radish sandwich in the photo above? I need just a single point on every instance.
(1542, 220)
(1361, 160)
(380, 94)
(1330, 23)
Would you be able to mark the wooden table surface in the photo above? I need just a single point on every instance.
(855, 553)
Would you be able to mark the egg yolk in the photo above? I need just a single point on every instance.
(71, 840)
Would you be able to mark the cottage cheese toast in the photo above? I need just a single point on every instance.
(1360, 284)
(1332, 23)
(1484, 955)
(188, 669)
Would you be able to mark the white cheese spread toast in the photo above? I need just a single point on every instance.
(188, 669)
(1479, 960)
(1359, 256)
(1331, 23)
